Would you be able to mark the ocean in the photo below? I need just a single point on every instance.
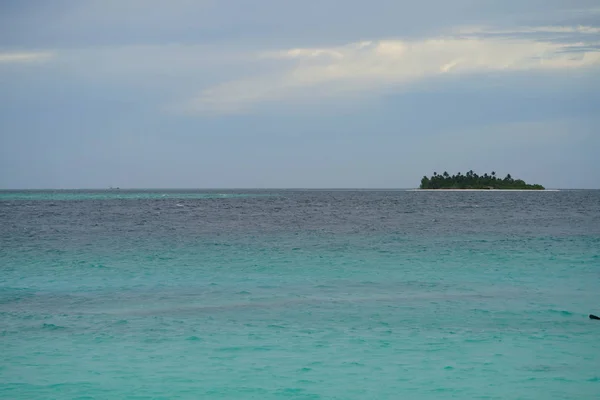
(299, 294)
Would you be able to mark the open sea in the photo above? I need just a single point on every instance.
(314, 294)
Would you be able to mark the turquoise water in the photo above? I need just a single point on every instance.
(299, 295)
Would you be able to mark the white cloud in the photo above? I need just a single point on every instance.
(25, 57)
(367, 67)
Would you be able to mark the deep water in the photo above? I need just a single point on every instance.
(299, 294)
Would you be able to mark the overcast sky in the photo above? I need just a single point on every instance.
(302, 94)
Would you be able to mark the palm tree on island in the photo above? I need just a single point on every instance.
(471, 180)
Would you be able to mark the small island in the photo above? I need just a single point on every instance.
(471, 180)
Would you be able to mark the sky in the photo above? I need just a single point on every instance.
(297, 94)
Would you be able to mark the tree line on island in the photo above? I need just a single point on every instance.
(471, 180)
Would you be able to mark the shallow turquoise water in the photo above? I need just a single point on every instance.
(303, 295)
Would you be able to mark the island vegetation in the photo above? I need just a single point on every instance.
(471, 180)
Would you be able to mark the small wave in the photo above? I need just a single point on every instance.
(231, 349)
(560, 312)
(98, 266)
(52, 327)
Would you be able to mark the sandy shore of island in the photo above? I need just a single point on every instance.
(483, 190)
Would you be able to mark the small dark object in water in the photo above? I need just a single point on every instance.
(592, 316)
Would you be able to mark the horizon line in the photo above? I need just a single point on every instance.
(115, 189)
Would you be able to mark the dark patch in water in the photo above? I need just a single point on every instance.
(52, 327)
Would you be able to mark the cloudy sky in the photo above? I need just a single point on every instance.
(312, 93)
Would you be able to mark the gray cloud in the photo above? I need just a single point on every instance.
(72, 23)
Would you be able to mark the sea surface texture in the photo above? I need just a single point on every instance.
(299, 295)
